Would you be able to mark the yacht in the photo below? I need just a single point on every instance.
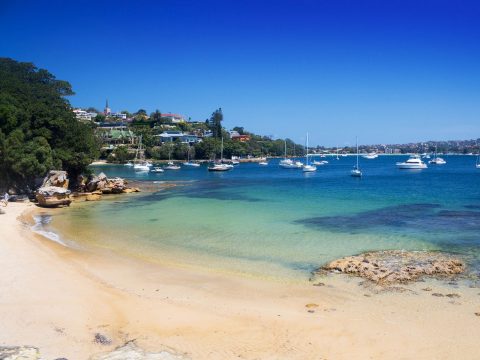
(414, 162)
(129, 164)
(307, 167)
(157, 169)
(356, 172)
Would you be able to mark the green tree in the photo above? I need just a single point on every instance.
(38, 130)
(215, 123)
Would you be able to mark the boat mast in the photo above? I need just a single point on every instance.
(307, 149)
(221, 151)
(356, 140)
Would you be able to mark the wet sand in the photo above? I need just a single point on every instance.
(57, 298)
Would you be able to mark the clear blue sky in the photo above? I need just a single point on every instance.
(387, 71)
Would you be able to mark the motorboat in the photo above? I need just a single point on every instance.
(321, 162)
(356, 172)
(414, 162)
(141, 167)
(129, 164)
(171, 166)
(220, 167)
(192, 164)
(263, 163)
(157, 169)
(307, 167)
(437, 161)
(370, 156)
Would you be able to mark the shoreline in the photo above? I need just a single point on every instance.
(205, 315)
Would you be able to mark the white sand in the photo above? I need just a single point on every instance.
(57, 298)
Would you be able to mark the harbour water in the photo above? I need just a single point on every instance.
(273, 222)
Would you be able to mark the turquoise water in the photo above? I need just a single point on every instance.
(284, 223)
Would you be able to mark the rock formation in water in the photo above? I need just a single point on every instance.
(396, 266)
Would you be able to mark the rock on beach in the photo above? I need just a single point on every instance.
(396, 266)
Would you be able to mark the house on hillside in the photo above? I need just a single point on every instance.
(174, 118)
(171, 136)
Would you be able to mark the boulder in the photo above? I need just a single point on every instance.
(57, 178)
(53, 196)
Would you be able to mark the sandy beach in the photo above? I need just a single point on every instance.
(57, 299)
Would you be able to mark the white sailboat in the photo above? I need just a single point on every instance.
(143, 165)
(289, 163)
(171, 165)
(356, 172)
(307, 167)
(437, 160)
(219, 166)
(188, 162)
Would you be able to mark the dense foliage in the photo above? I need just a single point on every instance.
(38, 131)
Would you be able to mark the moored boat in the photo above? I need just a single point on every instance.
(414, 162)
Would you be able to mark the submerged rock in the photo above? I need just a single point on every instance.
(19, 352)
(131, 351)
(396, 266)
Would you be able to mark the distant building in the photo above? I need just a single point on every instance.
(233, 134)
(174, 118)
(84, 115)
(118, 116)
(241, 138)
(107, 110)
(170, 136)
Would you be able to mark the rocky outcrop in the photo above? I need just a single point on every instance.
(107, 186)
(396, 266)
(53, 196)
(56, 178)
(131, 351)
(19, 352)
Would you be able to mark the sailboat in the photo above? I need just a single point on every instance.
(307, 167)
(142, 166)
(477, 165)
(289, 163)
(171, 165)
(437, 160)
(220, 166)
(190, 163)
(356, 172)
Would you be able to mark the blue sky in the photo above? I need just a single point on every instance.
(387, 71)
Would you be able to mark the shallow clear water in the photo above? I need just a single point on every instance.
(284, 223)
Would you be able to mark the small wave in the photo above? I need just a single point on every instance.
(39, 228)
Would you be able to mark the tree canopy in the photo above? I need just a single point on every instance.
(38, 130)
